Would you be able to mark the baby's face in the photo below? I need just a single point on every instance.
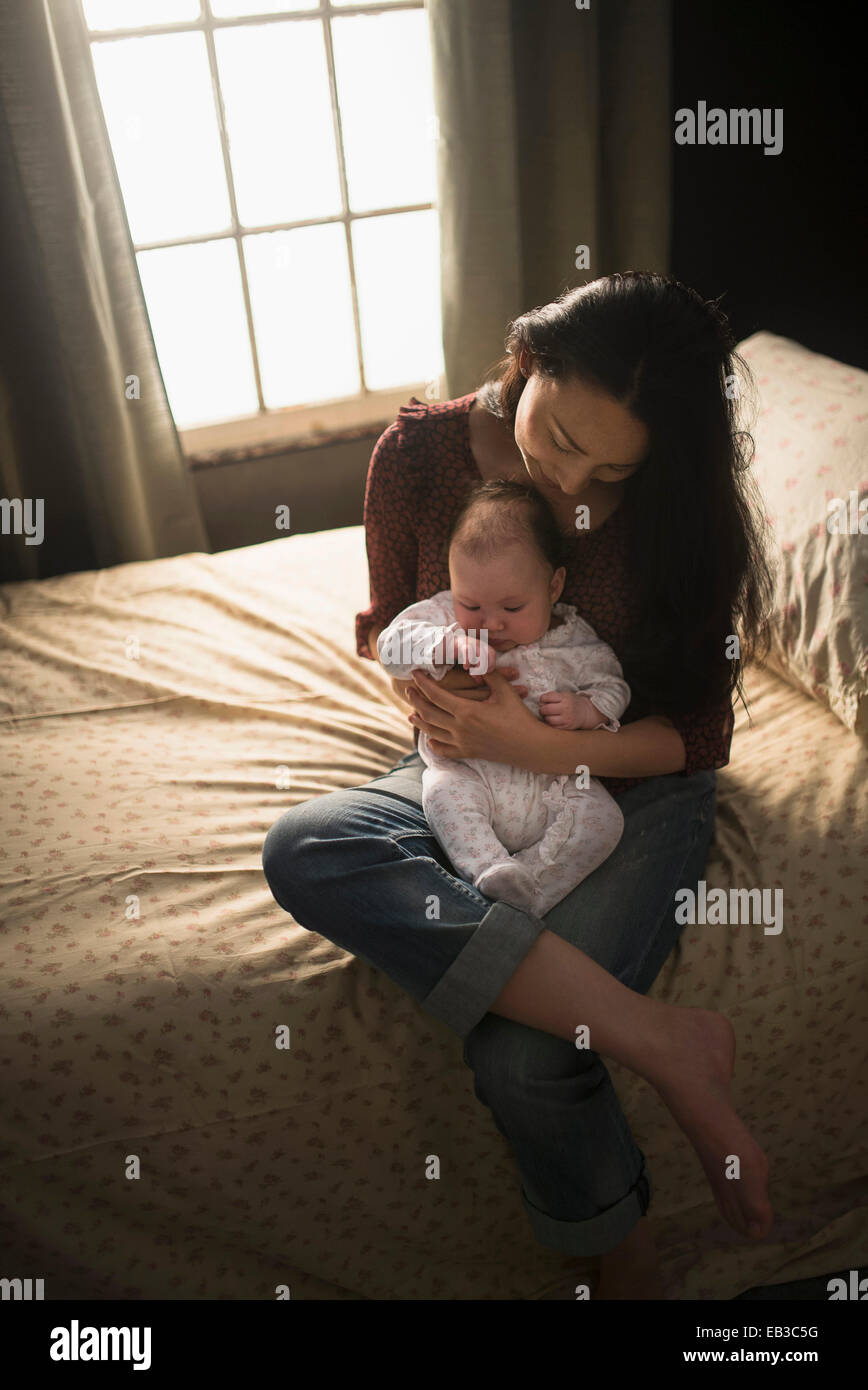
(511, 595)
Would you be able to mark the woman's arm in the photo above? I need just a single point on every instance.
(503, 730)
(390, 511)
(647, 748)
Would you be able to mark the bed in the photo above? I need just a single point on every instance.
(157, 1142)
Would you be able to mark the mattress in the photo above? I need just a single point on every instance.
(154, 1143)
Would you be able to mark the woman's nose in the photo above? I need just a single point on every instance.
(575, 483)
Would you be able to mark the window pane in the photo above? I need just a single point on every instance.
(279, 119)
(235, 9)
(338, 3)
(159, 109)
(135, 14)
(302, 314)
(196, 307)
(397, 261)
(383, 69)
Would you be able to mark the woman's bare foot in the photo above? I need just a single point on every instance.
(692, 1075)
(687, 1055)
(632, 1269)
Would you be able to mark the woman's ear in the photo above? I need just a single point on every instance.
(557, 584)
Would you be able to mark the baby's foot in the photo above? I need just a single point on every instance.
(509, 882)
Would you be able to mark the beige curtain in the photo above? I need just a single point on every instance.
(555, 132)
(73, 324)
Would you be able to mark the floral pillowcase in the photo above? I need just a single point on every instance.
(810, 427)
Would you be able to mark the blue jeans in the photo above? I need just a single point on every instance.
(362, 868)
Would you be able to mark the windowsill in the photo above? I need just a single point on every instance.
(296, 429)
(243, 453)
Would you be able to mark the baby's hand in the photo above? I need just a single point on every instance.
(556, 708)
(564, 710)
(473, 653)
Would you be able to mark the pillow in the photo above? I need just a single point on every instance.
(810, 427)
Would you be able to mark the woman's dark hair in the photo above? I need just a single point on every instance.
(695, 537)
(500, 512)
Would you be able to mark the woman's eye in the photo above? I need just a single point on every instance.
(559, 448)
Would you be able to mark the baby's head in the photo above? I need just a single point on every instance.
(504, 552)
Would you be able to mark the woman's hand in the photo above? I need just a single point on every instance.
(492, 728)
(461, 683)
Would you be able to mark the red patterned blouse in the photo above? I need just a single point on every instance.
(421, 469)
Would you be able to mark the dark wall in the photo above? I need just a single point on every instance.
(782, 237)
(323, 487)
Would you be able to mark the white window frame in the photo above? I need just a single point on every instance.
(289, 425)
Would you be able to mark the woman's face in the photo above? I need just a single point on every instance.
(572, 435)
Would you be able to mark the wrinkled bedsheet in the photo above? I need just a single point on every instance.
(155, 1143)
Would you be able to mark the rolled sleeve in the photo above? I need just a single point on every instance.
(707, 737)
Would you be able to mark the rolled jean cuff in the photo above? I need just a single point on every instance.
(465, 993)
(597, 1234)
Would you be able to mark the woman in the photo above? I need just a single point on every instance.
(616, 400)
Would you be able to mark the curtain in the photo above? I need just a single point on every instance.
(73, 325)
(555, 132)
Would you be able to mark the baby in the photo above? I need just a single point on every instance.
(524, 838)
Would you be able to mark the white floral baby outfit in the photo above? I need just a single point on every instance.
(521, 837)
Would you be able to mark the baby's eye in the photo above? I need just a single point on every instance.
(514, 610)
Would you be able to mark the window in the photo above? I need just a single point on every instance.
(277, 165)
